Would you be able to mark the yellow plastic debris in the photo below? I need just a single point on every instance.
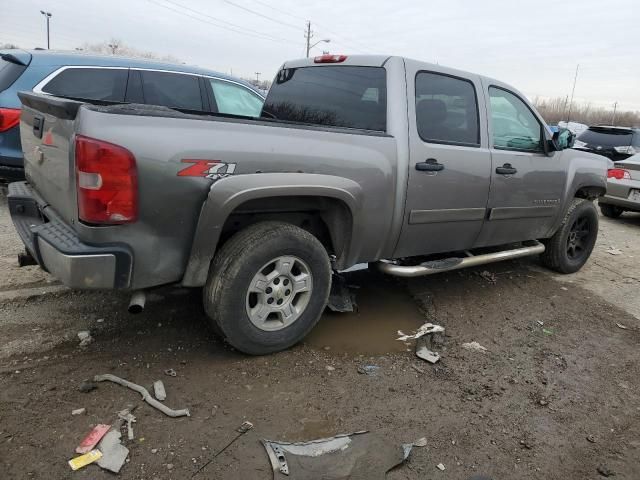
(84, 460)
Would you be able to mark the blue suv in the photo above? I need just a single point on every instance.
(110, 79)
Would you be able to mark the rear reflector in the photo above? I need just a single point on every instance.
(9, 118)
(107, 182)
(330, 59)
(619, 174)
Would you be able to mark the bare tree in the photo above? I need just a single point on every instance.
(118, 47)
(556, 109)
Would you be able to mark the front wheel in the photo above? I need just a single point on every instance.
(570, 247)
(267, 287)
(610, 211)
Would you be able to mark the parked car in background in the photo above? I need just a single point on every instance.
(110, 79)
(616, 143)
(623, 188)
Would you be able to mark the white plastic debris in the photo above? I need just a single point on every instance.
(79, 411)
(614, 251)
(159, 390)
(85, 338)
(423, 352)
(623, 327)
(474, 346)
(440, 467)
(425, 329)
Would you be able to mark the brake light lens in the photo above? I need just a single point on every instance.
(107, 182)
(9, 118)
(619, 174)
(330, 58)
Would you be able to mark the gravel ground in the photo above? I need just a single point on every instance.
(555, 396)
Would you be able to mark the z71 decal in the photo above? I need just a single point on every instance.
(213, 169)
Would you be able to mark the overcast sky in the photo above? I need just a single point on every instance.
(533, 45)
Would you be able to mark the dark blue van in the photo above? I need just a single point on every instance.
(110, 79)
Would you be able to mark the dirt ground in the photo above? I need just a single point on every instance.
(555, 396)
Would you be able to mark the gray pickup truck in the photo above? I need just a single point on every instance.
(412, 167)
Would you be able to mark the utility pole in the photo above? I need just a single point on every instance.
(613, 118)
(257, 77)
(575, 79)
(308, 36)
(47, 16)
(113, 46)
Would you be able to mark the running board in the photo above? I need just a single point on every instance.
(456, 263)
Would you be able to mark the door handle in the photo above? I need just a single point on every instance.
(429, 165)
(506, 169)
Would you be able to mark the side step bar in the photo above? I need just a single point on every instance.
(456, 263)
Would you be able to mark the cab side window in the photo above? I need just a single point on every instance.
(446, 110)
(514, 125)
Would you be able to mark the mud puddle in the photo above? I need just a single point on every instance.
(384, 307)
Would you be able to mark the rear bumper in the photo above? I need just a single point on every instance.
(58, 250)
(618, 193)
(9, 170)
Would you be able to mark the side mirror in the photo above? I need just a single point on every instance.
(563, 139)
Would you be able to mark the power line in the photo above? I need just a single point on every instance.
(261, 15)
(248, 32)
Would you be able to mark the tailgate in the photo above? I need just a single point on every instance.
(47, 133)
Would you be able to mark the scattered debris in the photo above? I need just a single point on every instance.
(129, 419)
(87, 386)
(623, 327)
(361, 455)
(605, 471)
(421, 442)
(543, 402)
(441, 467)
(146, 396)
(526, 444)
(488, 276)
(564, 288)
(79, 411)
(540, 322)
(330, 368)
(171, 372)
(159, 390)
(84, 460)
(100, 320)
(92, 439)
(114, 453)
(423, 352)
(474, 346)
(591, 438)
(425, 329)
(341, 299)
(242, 429)
(418, 369)
(368, 369)
(547, 331)
(85, 338)
(614, 251)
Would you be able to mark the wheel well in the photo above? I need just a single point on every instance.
(328, 219)
(590, 193)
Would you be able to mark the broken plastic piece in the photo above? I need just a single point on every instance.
(368, 369)
(245, 427)
(423, 352)
(474, 346)
(92, 439)
(425, 329)
(159, 391)
(130, 419)
(84, 460)
(146, 396)
(356, 455)
(114, 453)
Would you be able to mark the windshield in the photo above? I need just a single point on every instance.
(338, 96)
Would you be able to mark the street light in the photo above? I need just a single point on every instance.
(48, 16)
(324, 40)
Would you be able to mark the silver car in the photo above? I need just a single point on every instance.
(623, 188)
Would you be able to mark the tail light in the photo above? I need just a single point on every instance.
(9, 118)
(618, 174)
(107, 182)
(330, 58)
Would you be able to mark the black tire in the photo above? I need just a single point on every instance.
(233, 269)
(610, 211)
(580, 226)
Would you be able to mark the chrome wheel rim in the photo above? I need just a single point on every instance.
(279, 293)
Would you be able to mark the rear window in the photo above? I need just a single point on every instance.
(105, 84)
(9, 73)
(337, 96)
(606, 137)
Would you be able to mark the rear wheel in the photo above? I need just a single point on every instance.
(267, 287)
(610, 211)
(570, 247)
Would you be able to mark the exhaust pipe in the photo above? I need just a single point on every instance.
(455, 263)
(136, 305)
